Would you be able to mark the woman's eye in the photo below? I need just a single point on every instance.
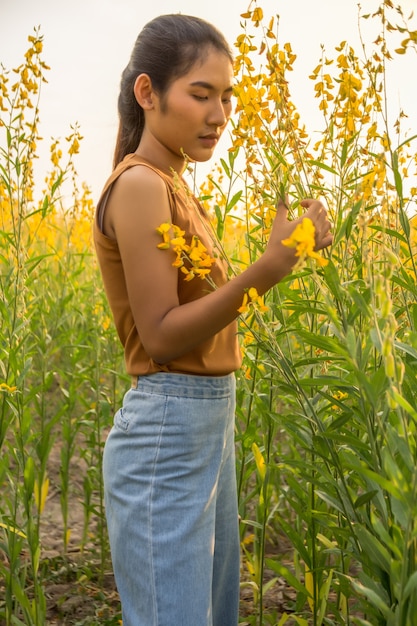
(200, 97)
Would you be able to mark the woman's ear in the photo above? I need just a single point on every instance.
(144, 92)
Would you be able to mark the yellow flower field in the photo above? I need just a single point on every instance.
(327, 409)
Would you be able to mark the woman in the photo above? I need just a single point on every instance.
(169, 467)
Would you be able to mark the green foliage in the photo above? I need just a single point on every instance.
(55, 392)
(329, 389)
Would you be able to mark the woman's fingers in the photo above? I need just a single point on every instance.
(282, 208)
(315, 211)
(318, 215)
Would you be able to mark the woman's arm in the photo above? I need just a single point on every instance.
(137, 206)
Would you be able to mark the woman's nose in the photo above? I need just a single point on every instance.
(218, 115)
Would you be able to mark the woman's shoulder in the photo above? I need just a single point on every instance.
(137, 190)
(139, 184)
(139, 173)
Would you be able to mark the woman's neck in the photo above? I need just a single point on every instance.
(160, 157)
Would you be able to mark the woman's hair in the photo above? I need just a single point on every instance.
(166, 49)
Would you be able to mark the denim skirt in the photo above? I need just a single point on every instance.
(171, 506)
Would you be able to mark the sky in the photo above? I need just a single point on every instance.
(87, 43)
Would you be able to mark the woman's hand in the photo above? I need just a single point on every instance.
(318, 215)
(283, 257)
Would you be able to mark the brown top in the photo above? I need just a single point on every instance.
(217, 356)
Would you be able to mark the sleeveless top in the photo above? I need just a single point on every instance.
(217, 356)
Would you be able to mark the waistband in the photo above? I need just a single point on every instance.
(185, 385)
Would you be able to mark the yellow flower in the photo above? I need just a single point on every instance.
(257, 16)
(7, 388)
(163, 228)
(56, 154)
(340, 396)
(303, 240)
(178, 261)
(189, 274)
(251, 299)
(106, 322)
(195, 254)
(244, 307)
(201, 272)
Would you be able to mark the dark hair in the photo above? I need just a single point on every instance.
(166, 49)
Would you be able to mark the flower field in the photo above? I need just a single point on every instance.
(327, 404)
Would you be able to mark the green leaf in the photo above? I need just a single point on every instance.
(405, 347)
(344, 153)
(404, 404)
(404, 219)
(332, 279)
(329, 344)
(365, 498)
(225, 167)
(57, 183)
(321, 381)
(233, 201)
(398, 180)
(373, 548)
(333, 502)
(283, 571)
(345, 229)
(361, 301)
(388, 231)
(29, 476)
(17, 622)
(220, 222)
(380, 480)
(410, 587)
(323, 166)
(373, 597)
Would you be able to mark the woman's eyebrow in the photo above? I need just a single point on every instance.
(205, 85)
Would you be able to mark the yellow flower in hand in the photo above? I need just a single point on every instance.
(303, 240)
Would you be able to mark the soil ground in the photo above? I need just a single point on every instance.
(74, 594)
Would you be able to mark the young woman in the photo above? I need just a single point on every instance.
(169, 466)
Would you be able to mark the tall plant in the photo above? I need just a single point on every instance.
(330, 367)
(53, 322)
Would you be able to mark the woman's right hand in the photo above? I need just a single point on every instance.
(283, 258)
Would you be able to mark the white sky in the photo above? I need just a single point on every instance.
(87, 43)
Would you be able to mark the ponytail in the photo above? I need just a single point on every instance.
(131, 118)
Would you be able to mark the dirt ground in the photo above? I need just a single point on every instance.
(75, 595)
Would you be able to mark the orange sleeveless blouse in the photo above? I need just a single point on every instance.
(217, 356)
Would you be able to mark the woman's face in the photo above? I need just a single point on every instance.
(192, 115)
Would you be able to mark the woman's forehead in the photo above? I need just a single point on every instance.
(212, 68)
